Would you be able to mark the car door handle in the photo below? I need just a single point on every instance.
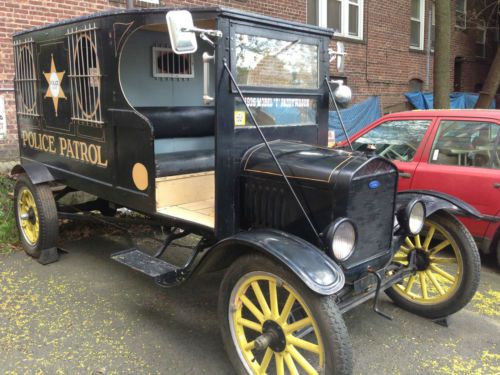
(404, 175)
(496, 185)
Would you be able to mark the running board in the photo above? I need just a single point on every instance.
(144, 263)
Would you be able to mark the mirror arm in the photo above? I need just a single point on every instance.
(204, 37)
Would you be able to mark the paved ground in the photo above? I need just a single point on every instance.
(87, 314)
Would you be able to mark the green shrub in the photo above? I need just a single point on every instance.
(8, 231)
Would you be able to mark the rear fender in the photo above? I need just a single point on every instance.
(320, 273)
(435, 201)
(37, 172)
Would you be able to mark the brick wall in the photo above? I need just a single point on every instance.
(381, 64)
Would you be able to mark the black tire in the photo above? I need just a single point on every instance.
(48, 225)
(468, 281)
(324, 311)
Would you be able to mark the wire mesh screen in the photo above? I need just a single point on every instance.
(25, 78)
(167, 64)
(85, 75)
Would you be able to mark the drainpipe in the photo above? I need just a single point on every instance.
(130, 4)
(428, 65)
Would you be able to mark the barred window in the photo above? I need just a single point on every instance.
(25, 78)
(85, 75)
(167, 64)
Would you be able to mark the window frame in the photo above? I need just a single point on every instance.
(322, 17)
(25, 78)
(481, 25)
(460, 27)
(157, 74)
(421, 21)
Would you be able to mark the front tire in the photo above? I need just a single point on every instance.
(36, 216)
(448, 269)
(259, 296)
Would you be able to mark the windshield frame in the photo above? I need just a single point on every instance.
(271, 33)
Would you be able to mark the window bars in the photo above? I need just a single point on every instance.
(167, 64)
(85, 75)
(25, 78)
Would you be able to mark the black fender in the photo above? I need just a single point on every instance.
(37, 172)
(435, 201)
(311, 265)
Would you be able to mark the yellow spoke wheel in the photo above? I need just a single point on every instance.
(447, 268)
(273, 324)
(36, 216)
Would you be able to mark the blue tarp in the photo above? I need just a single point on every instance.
(458, 100)
(355, 118)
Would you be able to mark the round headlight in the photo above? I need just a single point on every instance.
(342, 235)
(416, 217)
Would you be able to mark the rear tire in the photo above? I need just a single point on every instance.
(329, 349)
(36, 216)
(436, 291)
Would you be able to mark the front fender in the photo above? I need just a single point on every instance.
(37, 172)
(311, 265)
(435, 201)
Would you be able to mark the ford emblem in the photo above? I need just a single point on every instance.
(374, 184)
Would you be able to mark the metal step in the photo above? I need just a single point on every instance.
(142, 262)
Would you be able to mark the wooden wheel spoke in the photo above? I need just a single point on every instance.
(418, 244)
(280, 367)
(439, 247)
(287, 308)
(273, 296)
(253, 309)
(434, 281)
(254, 326)
(411, 281)
(266, 360)
(404, 250)
(423, 285)
(290, 364)
(400, 258)
(305, 322)
(429, 236)
(443, 260)
(409, 243)
(442, 272)
(264, 307)
(249, 345)
(299, 358)
(303, 344)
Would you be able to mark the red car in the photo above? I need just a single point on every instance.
(456, 152)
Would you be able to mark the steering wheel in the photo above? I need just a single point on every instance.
(391, 153)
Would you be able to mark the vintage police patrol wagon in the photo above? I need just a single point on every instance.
(214, 122)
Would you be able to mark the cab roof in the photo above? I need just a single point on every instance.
(222, 11)
(427, 113)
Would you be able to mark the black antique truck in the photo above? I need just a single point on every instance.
(213, 122)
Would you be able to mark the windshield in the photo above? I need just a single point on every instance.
(262, 61)
(394, 140)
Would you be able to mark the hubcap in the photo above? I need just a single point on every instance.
(28, 216)
(265, 334)
(439, 265)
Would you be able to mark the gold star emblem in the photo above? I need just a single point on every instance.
(54, 79)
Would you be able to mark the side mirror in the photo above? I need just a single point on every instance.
(181, 40)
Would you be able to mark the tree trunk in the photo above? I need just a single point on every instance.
(441, 68)
(491, 84)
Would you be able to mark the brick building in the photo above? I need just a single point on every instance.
(385, 42)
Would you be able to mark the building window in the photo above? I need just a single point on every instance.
(25, 78)
(344, 16)
(461, 14)
(480, 44)
(417, 24)
(85, 75)
(167, 64)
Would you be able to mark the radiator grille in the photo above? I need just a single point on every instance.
(372, 211)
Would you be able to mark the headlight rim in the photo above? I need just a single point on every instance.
(405, 220)
(330, 233)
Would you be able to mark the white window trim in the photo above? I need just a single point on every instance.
(465, 17)
(344, 17)
(481, 27)
(421, 20)
(157, 74)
